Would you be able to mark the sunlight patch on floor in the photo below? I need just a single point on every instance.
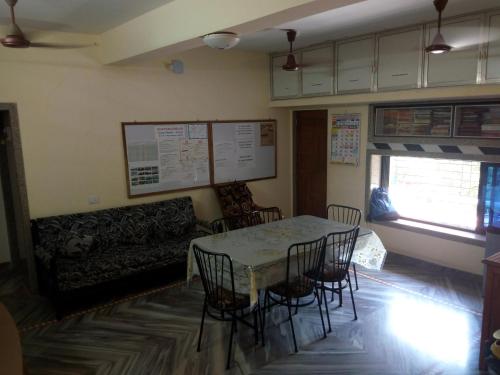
(435, 330)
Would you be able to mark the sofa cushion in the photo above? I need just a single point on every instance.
(173, 218)
(76, 245)
(122, 260)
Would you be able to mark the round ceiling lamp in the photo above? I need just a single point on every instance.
(221, 40)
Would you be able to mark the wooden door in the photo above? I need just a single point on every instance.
(310, 162)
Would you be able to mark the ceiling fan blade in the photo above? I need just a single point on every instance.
(60, 45)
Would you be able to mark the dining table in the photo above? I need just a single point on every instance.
(259, 253)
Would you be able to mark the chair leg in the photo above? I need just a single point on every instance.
(340, 293)
(355, 275)
(255, 327)
(318, 296)
(291, 323)
(233, 325)
(352, 297)
(202, 322)
(264, 309)
(333, 292)
(261, 322)
(323, 293)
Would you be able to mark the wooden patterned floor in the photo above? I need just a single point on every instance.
(414, 318)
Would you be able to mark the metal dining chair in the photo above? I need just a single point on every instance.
(217, 276)
(303, 270)
(226, 224)
(336, 268)
(269, 214)
(346, 215)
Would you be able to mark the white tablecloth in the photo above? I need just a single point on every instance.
(259, 253)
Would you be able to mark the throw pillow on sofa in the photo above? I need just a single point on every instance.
(76, 245)
(136, 229)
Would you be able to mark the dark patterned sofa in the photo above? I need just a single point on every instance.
(80, 254)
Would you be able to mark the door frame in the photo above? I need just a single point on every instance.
(294, 153)
(16, 188)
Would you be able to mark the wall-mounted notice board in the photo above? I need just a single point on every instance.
(243, 150)
(166, 156)
(170, 156)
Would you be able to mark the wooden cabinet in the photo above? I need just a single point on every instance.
(491, 309)
(491, 64)
(317, 71)
(399, 59)
(460, 65)
(355, 65)
(285, 84)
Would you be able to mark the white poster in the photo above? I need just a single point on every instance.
(167, 157)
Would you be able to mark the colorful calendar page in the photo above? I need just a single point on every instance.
(345, 138)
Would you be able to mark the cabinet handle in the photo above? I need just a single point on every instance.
(353, 80)
(400, 74)
(316, 84)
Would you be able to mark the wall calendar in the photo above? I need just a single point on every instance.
(345, 138)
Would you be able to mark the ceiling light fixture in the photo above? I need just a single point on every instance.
(221, 40)
(438, 45)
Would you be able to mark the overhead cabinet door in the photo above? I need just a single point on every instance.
(285, 83)
(493, 56)
(399, 59)
(355, 65)
(460, 65)
(317, 71)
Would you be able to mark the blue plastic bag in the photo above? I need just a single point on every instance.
(381, 208)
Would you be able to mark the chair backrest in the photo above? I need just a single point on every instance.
(306, 260)
(226, 224)
(344, 214)
(216, 272)
(269, 214)
(341, 245)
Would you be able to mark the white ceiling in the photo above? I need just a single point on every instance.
(97, 16)
(357, 19)
(80, 16)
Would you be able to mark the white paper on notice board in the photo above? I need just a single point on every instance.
(166, 157)
(243, 151)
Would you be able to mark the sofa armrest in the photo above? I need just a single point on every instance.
(48, 261)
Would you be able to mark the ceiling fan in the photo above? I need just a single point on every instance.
(438, 44)
(15, 38)
(291, 63)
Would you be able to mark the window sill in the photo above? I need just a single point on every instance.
(436, 231)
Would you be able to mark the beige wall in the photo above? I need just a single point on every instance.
(70, 110)
(346, 185)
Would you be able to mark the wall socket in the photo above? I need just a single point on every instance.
(93, 199)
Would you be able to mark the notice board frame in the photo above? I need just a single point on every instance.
(211, 166)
